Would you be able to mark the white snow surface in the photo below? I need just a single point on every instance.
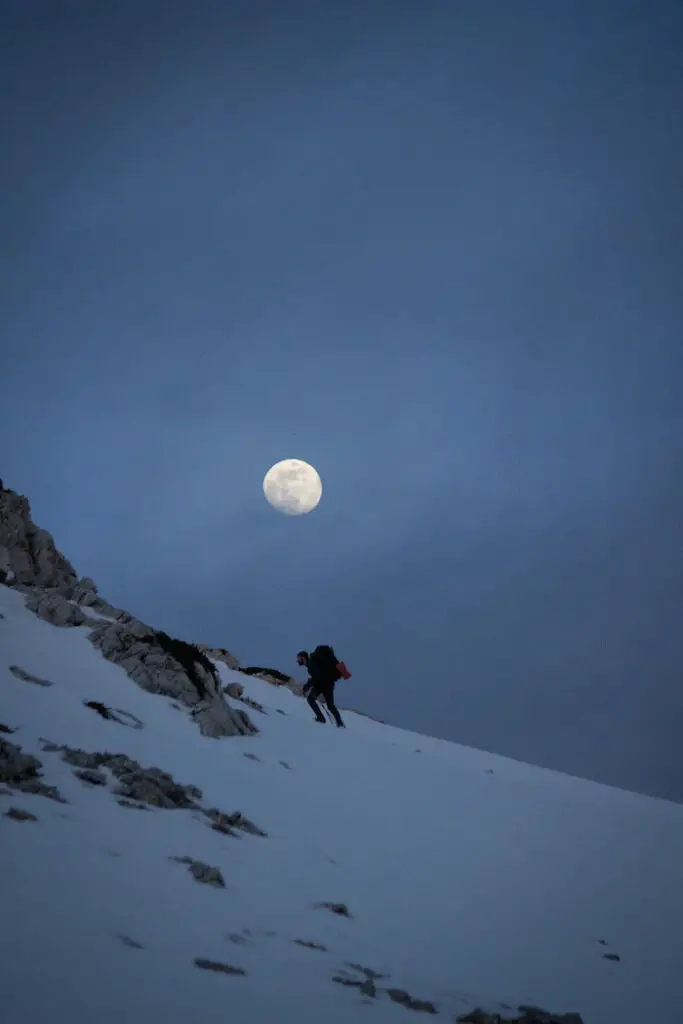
(472, 880)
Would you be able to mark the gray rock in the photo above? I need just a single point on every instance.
(85, 592)
(28, 553)
(144, 655)
(234, 690)
(214, 965)
(220, 654)
(202, 872)
(398, 995)
(340, 909)
(17, 814)
(22, 771)
(55, 609)
(91, 775)
(227, 822)
(26, 677)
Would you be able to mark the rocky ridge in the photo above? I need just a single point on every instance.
(31, 563)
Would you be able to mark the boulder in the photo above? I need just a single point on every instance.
(144, 655)
(54, 608)
(85, 592)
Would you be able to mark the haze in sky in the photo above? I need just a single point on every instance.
(433, 249)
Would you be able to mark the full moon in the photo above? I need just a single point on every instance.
(292, 487)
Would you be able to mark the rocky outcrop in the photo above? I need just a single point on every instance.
(174, 668)
(220, 654)
(28, 553)
(23, 772)
(30, 561)
(55, 608)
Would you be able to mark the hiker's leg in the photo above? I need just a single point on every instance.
(329, 700)
(313, 704)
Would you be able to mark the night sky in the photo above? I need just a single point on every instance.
(435, 249)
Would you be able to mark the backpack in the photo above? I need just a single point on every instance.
(326, 657)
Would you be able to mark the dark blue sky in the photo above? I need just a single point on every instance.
(434, 249)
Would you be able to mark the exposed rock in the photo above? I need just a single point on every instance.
(348, 982)
(135, 807)
(214, 965)
(174, 668)
(368, 988)
(20, 673)
(220, 654)
(285, 765)
(139, 787)
(6, 728)
(311, 945)
(85, 592)
(115, 714)
(252, 757)
(254, 705)
(202, 872)
(92, 776)
(131, 943)
(17, 814)
(22, 771)
(55, 608)
(143, 785)
(526, 1015)
(611, 956)
(234, 690)
(398, 995)
(226, 822)
(271, 675)
(27, 552)
(368, 972)
(340, 909)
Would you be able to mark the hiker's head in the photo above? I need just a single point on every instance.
(302, 658)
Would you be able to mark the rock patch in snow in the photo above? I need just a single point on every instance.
(26, 677)
(56, 609)
(17, 814)
(340, 909)
(526, 1015)
(22, 772)
(311, 945)
(114, 714)
(215, 965)
(92, 776)
(399, 995)
(160, 664)
(202, 872)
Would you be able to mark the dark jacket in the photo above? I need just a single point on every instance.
(321, 673)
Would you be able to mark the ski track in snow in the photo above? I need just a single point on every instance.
(466, 886)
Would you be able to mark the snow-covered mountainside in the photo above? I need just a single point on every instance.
(279, 870)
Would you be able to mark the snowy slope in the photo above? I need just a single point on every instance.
(471, 879)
